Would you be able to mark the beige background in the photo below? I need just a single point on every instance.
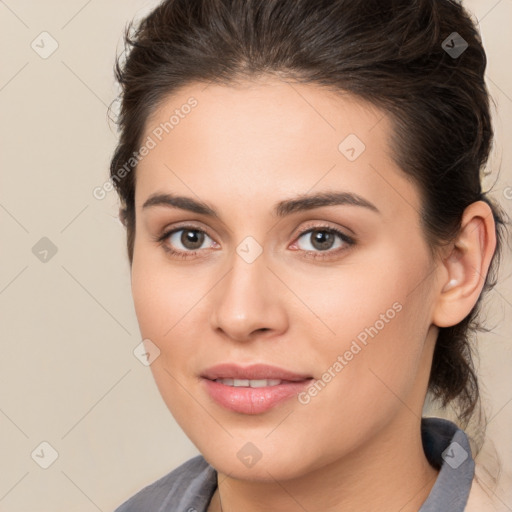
(68, 374)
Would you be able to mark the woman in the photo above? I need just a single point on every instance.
(309, 243)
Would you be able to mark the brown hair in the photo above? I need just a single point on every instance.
(400, 55)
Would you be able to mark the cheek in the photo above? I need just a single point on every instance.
(149, 302)
(375, 317)
(368, 371)
(349, 299)
(162, 296)
(164, 312)
(171, 311)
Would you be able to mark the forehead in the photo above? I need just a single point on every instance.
(266, 109)
(268, 139)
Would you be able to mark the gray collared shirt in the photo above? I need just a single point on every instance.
(190, 487)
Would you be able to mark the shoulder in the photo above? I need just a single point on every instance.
(188, 487)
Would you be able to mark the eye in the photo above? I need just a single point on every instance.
(323, 239)
(184, 241)
(187, 241)
(191, 239)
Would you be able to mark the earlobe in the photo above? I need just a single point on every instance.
(465, 269)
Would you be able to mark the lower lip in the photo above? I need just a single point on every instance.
(253, 400)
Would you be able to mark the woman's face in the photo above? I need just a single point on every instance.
(335, 295)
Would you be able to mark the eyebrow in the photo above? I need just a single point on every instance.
(281, 209)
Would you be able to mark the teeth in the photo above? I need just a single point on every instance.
(254, 383)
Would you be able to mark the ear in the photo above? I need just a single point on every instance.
(463, 271)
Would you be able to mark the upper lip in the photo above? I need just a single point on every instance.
(252, 372)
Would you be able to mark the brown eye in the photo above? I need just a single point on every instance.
(192, 239)
(323, 239)
(186, 239)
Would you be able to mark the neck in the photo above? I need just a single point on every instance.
(389, 473)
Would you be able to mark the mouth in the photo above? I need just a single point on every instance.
(254, 372)
(252, 383)
(253, 389)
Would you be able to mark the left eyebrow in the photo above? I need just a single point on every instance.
(309, 202)
(281, 209)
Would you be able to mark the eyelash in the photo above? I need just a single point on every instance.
(348, 241)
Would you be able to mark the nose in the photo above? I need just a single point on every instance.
(248, 301)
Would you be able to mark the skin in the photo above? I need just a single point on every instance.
(356, 445)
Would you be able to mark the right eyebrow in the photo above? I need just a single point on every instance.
(181, 202)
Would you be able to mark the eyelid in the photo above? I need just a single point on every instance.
(166, 232)
(321, 224)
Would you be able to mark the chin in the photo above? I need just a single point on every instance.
(259, 460)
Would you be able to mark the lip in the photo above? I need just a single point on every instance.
(254, 371)
(247, 400)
